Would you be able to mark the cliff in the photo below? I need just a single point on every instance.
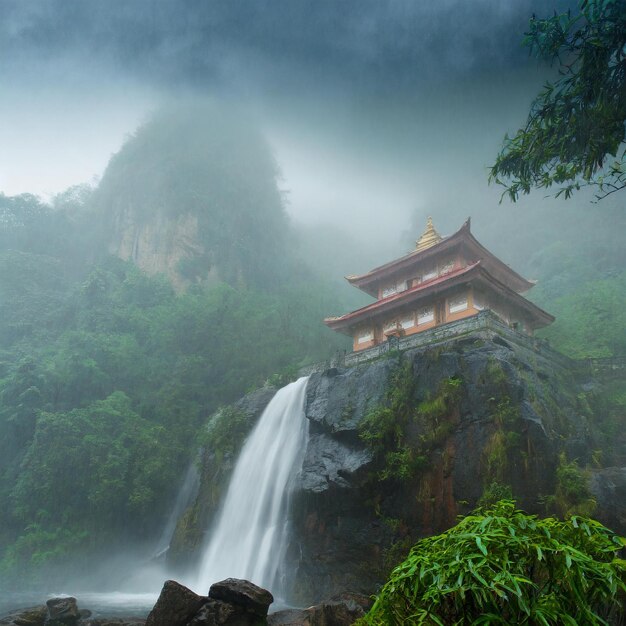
(402, 445)
(162, 245)
(193, 195)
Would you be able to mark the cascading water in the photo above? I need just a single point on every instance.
(186, 494)
(250, 538)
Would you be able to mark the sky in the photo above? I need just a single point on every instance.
(379, 112)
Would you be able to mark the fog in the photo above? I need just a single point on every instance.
(378, 113)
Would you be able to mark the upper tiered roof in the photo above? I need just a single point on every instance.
(431, 246)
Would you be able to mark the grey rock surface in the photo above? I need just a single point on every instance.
(345, 523)
(33, 616)
(608, 486)
(175, 606)
(341, 610)
(62, 612)
(348, 528)
(244, 594)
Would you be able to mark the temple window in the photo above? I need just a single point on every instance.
(365, 336)
(394, 288)
(407, 322)
(425, 315)
(457, 304)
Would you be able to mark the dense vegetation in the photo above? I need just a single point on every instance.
(501, 566)
(574, 134)
(106, 374)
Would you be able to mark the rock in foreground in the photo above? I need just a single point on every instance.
(176, 605)
(341, 610)
(231, 602)
(34, 616)
(244, 594)
(62, 612)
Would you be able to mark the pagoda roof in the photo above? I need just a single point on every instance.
(369, 282)
(475, 273)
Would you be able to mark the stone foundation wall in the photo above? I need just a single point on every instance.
(484, 323)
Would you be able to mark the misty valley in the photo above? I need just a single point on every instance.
(314, 345)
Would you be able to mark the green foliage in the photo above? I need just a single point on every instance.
(573, 496)
(385, 428)
(501, 566)
(437, 415)
(226, 431)
(33, 295)
(493, 493)
(608, 407)
(495, 373)
(38, 549)
(576, 123)
(284, 377)
(504, 439)
(102, 466)
(117, 333)
(591, 318)
(98, 361)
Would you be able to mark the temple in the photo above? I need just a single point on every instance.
(443, 280)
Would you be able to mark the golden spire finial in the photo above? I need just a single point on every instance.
(429, 238)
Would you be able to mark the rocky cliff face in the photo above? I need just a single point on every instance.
(514, 411)
(400, 446)
(158, 245)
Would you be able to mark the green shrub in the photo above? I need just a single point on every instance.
(501, 566)
(227, 430)
(384, 429)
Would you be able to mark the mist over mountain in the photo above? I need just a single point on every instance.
(184, 186)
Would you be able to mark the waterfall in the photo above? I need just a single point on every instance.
(185, 496)
(249, 539)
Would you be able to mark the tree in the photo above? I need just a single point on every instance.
(501, 566)
(576, 126)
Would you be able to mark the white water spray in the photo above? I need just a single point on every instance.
(186, 494)
(250, 538)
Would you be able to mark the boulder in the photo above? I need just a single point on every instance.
(62, 612)
(341, 610)
(244, 594)
(34, 616)
(60, 609)
(176, 605)
(218, 613)
(290, 617)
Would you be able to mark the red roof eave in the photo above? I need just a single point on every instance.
(403, 295)
(475, 270)
(358, 281)
(367, 281)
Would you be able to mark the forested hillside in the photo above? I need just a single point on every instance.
(106, 374)
(130, 311)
